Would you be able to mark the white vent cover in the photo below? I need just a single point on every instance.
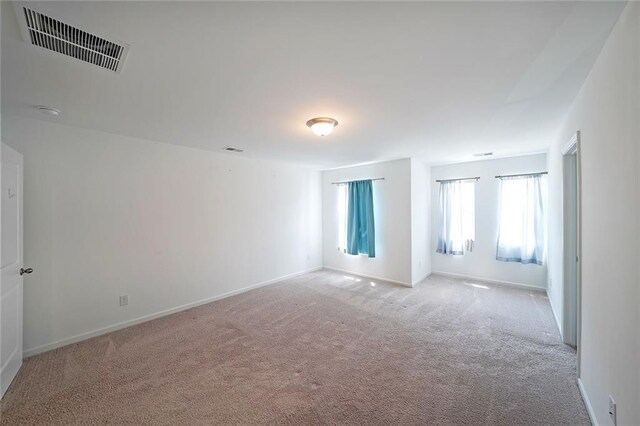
(51, 34)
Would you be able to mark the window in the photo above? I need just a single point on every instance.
(342, 217)
(356, 229)
(457, 217)
(469, 213)
(522, 229)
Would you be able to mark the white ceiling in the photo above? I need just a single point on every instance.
(438, 81)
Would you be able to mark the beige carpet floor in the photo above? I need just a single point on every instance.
(322, 348)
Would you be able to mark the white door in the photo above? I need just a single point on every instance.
(571, 249)
(11, 264)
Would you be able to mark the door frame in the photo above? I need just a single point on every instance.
(572, 312)
(13, 272)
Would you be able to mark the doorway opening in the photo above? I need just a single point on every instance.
(571, 243)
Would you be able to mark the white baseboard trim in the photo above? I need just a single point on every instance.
(124, 324)
(358, 274)
(490, 281)
(555, 315)
(427, 275)
(587, 403)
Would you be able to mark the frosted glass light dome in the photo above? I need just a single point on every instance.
(322, 126)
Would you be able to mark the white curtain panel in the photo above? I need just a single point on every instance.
(522, 232)
(450, 221)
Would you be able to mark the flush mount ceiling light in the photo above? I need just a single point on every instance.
(48, 110)
(322, 126)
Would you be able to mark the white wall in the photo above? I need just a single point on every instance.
(420, 220)
(392, 214)
(607, 113)
(482, 263)
(107, 215)
(555, 287)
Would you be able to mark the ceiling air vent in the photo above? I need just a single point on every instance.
(232, 149)
(51, 34)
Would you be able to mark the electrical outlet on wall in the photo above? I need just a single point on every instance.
(124, 300)
(612, 410)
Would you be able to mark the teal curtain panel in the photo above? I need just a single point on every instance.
(361, 238)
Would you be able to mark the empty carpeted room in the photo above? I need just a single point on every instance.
(320, 212)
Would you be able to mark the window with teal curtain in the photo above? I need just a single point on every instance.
(361, 238)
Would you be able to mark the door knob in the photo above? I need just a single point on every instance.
(26, 271)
